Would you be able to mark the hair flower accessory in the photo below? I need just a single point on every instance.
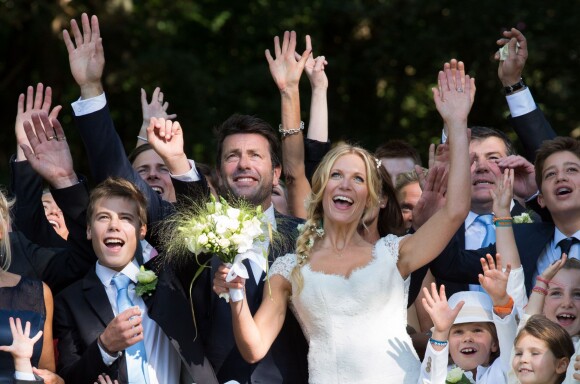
(524, 218)
(378, 162)
(146, 282)
(456, 376)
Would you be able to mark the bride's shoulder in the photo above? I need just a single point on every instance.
(389, 245)
(283, 266)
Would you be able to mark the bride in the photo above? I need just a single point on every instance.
(350, 296)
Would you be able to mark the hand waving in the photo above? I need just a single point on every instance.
(435, 304)
(22, 345)
(29, 104)
(503, 194)
(48, 153)
(452, 100)
(494, 280)
(86, 55)
(156, 108)
(286, 69)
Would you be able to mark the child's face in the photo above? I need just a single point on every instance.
(562, 304)
(470, 345)
(535, 363)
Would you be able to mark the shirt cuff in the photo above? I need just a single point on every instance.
(87, 106)
(108, 359)
(192, 175)
(521, 103)
(27, 376)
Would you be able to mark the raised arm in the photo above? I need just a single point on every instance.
(453, 103)
(286, 71)
(255, 335)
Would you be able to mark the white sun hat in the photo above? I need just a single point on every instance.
(478, 307)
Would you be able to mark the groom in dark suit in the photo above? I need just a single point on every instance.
(248, 161)
(96, 333)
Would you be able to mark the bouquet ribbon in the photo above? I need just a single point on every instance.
(238, 268)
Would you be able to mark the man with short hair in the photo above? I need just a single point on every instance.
(104, 326)
(397, 156)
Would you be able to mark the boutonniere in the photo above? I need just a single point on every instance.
(524, 218)
(146, 282)
(456, 376)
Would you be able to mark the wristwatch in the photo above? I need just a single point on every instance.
(514, 87)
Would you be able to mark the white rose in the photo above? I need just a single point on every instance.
(454, 375)
(243, 243)
(224, 243)
(202, 239)
(233, 213)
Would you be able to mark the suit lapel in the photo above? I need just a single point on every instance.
(97, 297)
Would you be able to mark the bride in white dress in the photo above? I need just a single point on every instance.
(350, 296)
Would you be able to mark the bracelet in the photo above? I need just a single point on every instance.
(540, 290)
(503, 222)
(542, 280)
(289, 132)
(142, 138)
(504, 309)
(502, 218)
(438, 343)
(514, 87)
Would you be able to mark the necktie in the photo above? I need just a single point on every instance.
(135, 355)
(566, 244)
(489, 238)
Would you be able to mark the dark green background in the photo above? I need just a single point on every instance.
(208, 56)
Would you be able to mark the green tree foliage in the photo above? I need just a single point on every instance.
(208, 56)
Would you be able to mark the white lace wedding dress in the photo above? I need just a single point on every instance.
(356, 326)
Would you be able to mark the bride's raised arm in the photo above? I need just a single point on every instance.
(255, 335)
(453, 102)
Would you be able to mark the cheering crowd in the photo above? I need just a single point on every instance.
(381, 270)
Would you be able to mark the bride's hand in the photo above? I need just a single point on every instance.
(221, 286)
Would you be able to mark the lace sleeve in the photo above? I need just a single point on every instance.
(283, 266)
(391, 245)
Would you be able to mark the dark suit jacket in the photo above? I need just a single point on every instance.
(286, 362)
(57, 267)
(457, 267)
(82, 312)
(38, 380)
(532, 129)
(28, 212)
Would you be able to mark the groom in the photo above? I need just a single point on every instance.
(248, 162)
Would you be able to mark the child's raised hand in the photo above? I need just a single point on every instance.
(549, 273)
(503, 194)
(494, 280)
(435, 304)
(22, 345)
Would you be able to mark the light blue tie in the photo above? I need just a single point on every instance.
(135, 355)
(489, 238)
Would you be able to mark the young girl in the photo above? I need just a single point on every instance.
(542, 352)
(478, 332)
(557, 296)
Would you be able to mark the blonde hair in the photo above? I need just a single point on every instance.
(314, 209)
(5, 252)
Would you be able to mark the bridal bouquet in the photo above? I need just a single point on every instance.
(231, 233)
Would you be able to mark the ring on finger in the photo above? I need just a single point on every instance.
(459, 89)
(61, 138)
(51, 137)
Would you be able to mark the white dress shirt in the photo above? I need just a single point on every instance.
(552, 251)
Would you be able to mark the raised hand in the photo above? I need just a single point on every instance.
(503, 194)
(156, 108)
(494, 280)
(434, 187)
(86, 55)
(443, 316)
(510, 70)
(314, 69)
(459, 66)
(22, 345)
(29, 104)
(524, 183)
(123, 331)
(48, 153)
(105, 379)
(166, 138)
(286, 69)
(453, 102)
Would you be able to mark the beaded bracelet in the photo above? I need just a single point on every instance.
(438, 343)
(289, 132)
(504, 309)
(542, 280)
(540, 290)
(503, 222)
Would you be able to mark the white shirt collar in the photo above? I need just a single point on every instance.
(558, 235)
(106, 274)
(270, 216)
